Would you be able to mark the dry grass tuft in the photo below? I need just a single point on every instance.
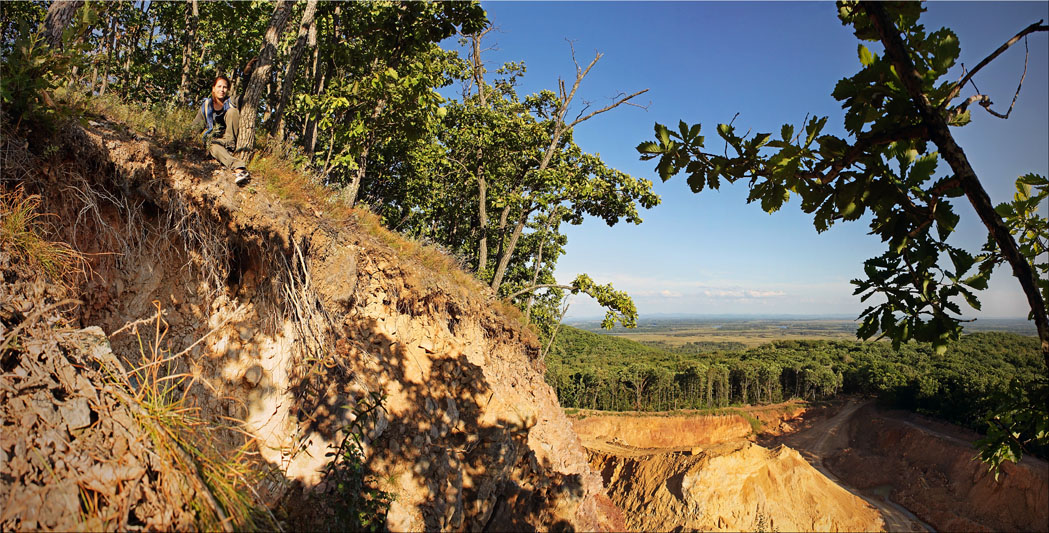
(22, 226)
(221, 482)
(280, 178)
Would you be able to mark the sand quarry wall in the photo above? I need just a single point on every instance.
(284, 320)
(701, 473)
(933, 470)
(663, 431)
(732, 486)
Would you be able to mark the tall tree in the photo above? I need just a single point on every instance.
(291, 73)
(477, 72)
(192, 16)
(504, 140)
(260, 75)
(560, 127)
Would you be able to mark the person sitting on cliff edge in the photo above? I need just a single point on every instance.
(222, 122)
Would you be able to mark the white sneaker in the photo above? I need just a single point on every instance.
(241, 176)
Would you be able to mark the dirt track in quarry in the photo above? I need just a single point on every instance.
(848, 466)
(828, 438)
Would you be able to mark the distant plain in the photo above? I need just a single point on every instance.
(748, 332)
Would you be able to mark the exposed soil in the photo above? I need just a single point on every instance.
(860, 468)
(282, 322)
(927, 467)
(719, 481)
(67, 435)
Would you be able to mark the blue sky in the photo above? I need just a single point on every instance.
(771, 62)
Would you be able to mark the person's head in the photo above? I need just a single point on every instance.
(220, 88)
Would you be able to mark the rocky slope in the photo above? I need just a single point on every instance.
(291, 326)
(931, 468)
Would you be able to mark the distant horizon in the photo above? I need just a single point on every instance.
(788, 316)
(650, 322)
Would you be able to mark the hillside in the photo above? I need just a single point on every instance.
(288, 335)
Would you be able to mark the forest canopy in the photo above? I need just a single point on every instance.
(964, 384)
(350, 92)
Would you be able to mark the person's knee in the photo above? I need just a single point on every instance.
(216, 149)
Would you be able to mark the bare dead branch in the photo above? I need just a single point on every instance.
(560, 319)
(1037, 26)
(985, 101)
(1027, 55)
(608, 107)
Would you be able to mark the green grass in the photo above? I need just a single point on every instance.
(755, 424)
(166, 124)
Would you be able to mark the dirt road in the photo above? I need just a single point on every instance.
(827, 437)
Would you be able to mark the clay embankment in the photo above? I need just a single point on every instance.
(661, 431)
(719, 482)
(928, 467)
(280, 319)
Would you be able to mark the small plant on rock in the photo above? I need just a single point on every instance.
(348, 482)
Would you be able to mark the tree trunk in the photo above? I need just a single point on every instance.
(260, 75)
(268, 113)
(305, 27)
(539, 262)
(192, 16)
(504, 258)
(312, 124)
(482, 183)
(362, 166)
(321, 79)
(59, 15)
(110, 45)
(129, 53)
(149, 53)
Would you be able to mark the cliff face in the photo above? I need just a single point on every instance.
(699, 472)
(932, 469)
(732, 486)
(294, 327)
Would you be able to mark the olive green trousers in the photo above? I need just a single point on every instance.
(222, 148)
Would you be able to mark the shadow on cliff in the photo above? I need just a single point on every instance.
(440, 451)
(438, 445)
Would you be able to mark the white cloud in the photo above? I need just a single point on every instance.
(765, 294)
